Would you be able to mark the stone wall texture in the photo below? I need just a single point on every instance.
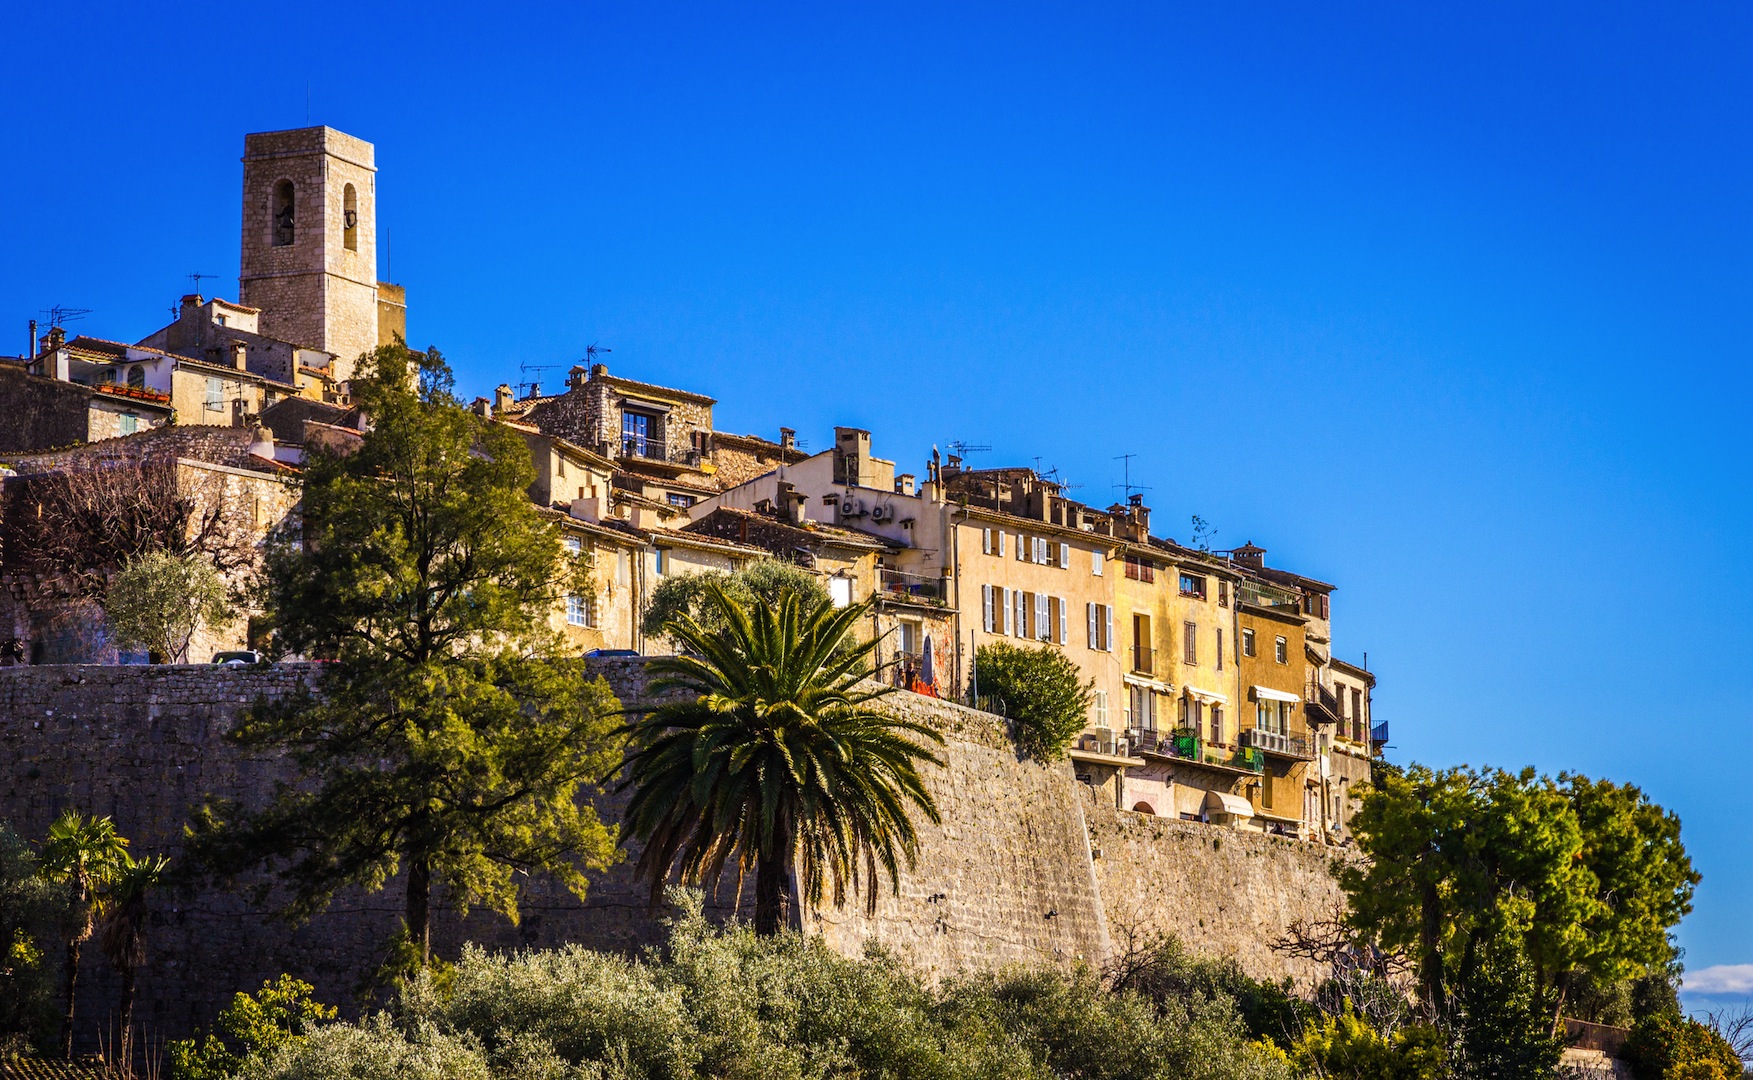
(1024, 867)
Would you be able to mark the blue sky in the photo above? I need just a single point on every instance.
(1449, 307)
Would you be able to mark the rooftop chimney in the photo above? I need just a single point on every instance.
(790, 502)
(1249, 555)
(787, 439)
(599, 371)
(576, 375)
(239, 356)
(57, 338)
(188, 303)
(501, 399)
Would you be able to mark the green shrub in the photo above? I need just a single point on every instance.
(277, 1017)
(1043, 693)
(1346, 1047)
(761, 581)
(32, 911)
(1668, 1046)
(725, 1003)
(1162, 970)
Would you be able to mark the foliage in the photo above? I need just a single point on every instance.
(734, 1004)
(278, 1016)
(450, 739)
(775, 757)
(1668, 1046)
(1577, 878)
(122, 930)
(159, 600)
(1503, 1028)
(84, 854)
(1345, 1046)
(761, 582)
(33, 912)
(1044, 697)
(1162, 970)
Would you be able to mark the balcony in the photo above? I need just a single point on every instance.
(1272, 742)
(1143, 659)
(648, 448)
(1379, 734)
(1260, 594)
(1322, 705)
(897, 583)
(1184, 745)
(135, 393)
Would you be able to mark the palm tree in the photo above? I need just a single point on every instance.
(776, 758)
(84, 853)
(122, 933)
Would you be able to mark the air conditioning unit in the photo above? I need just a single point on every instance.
(882, 513)
(851, 508)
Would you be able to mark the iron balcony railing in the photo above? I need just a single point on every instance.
(915, 585)
(1379, 733)
(1273, 742)
(1185, 744)
(649, 448)
(1260, 594)
(1323, 699)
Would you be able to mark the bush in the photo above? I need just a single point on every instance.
(1044, 696)
(1668, 1046)
(276, 1017)
(1163, 971)
(32, 911)
(1346, 1047)
(729, 1004)
(761, 582)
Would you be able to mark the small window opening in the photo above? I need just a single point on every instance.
(283, 214)
(350, 218)
(137, 376)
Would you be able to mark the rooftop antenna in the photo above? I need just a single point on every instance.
(524, 387)
(61, 316)
(1126, 471)
(593, 349)
(197, 278)
(962, 448)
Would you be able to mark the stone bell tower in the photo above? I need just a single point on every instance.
(310, 240)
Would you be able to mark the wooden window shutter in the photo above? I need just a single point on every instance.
(1108, 627)
(986, 541)
(986, 608)
(1001, 543)
(1089, 611)
(1061, 605)
(1064, 555)
(1004, 602)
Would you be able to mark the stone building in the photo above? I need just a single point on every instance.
(309, 251)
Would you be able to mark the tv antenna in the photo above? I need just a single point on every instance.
(962, 448)
(1126, 472)
(61, 316)
(198, 278)
(593, 349)
(526, 386)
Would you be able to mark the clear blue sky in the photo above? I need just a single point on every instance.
(1449, 307)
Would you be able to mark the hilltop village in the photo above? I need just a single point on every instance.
(1219, 694)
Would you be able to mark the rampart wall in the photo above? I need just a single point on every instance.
(1024, 867)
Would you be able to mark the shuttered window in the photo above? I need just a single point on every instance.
(986, 608)
(1100, 702)
(1016, 603)
(1004, 605)
(1060, 606)
(1000, 534)
(1190, 643)
(1217, 636)
(1096, 563)
(1064, 555)
(986, 541)
(1247, 643)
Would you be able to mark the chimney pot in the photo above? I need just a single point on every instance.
(501, 398)
(239, 356)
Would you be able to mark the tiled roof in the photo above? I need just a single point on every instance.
(101, 347)
(37, 1068)
(653, 388)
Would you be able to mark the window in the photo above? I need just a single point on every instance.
(1223, 594)
(639, 434)
(1043, 551)
(1247, 643)
(1217, 635)
(1284, 708)
(221, 319)
(1357, 720)
(1140, 570)
(280, 209)
(840, 591)
(129, 423)
(349, 218)
(1281, 650)
(1217, 723)
(215, 395)
(1022, 548)
(1064, 555)
(137, 376)
(621, 567)
(676, 498)
(1101, 626)
(657, 561)
(1263, 715)
(574, 545)
(1004, 609)
(1099, 703)
(1142, 713)
(1059, 608)
(1141, 650)
(1018, 627)
(986, 608)
(578, 611)
(985, 541)
(1190, 643)
(907, 638)
(1000, 543)
(1193, 585)
(1096, 563)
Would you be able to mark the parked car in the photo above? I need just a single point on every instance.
(237, 656)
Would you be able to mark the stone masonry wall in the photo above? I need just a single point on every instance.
(1008, 876)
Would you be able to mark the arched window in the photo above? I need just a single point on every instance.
(1144, 808)
(350, 218)
(137, 376)
(281, 208)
